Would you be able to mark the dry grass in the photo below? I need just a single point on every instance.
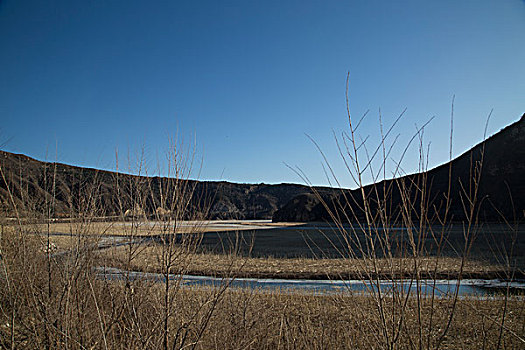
(275, 320)
(249, 319)
(223, 264)
(151, 228)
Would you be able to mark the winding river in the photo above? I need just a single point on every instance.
(441, 288)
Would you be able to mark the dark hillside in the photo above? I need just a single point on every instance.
(70, 189)
(35, 185)
(501, 190)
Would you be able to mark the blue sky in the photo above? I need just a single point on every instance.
(248, 80)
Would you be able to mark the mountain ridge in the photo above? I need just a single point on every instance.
(31, 179)
(501, 189)
(26, 176)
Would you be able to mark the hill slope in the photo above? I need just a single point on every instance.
(34, 184)
(501, 190)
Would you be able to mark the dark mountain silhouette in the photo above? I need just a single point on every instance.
(34, 185)
(501, 189)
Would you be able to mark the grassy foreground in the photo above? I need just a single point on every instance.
(56, 301)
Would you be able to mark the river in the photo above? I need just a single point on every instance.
(442, 288)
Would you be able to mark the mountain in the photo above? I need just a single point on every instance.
(33, 185)
(60, 190)
(500, 191)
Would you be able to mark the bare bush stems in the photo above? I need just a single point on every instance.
(60, 297)
(176, 227)
(44, 278)
(374, 227)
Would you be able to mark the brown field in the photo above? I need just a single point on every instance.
(56, 300)
(149, 228)
(131, 314)
(344, 322)
(248, 319)
(147, 259)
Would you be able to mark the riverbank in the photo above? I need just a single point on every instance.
(219, 316)
(231, 265)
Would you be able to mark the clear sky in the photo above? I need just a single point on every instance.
(249, 79)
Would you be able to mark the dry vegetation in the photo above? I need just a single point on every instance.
(224, 265)
(79, 310)
(152, 228)
(76, 309)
